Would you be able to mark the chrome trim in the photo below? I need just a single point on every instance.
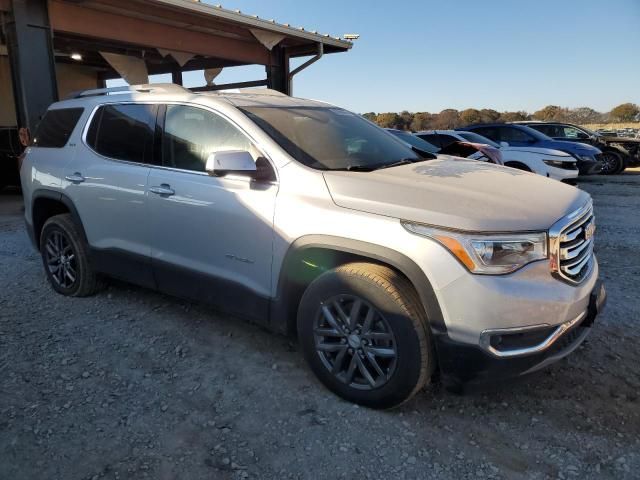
(565, 230)
(485, 338)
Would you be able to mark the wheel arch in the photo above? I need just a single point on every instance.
(519, 165)
(47, 203)
(311, 255)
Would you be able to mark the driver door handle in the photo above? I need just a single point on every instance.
(163, 189)
(75, 178)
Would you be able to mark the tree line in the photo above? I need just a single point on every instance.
(451, 118)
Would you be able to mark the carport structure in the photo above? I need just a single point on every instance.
(58, 46)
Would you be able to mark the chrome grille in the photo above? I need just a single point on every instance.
(572, 245)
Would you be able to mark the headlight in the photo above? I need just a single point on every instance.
(488, 254)
(561, 164)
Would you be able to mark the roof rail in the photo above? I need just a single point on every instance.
(144, 88)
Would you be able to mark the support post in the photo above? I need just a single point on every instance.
(176, 76)
(29, 44)
(278, 70)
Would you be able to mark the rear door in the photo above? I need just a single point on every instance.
(212, 237)
(107, 182)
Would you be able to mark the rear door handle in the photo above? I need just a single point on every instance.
(75, 178)
(163, 189)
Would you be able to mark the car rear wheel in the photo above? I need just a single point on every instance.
(612, 163)
(364, 333)
(65, 258)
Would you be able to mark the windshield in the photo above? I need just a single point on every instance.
(330, 138)
(475, 138)
(415, 141)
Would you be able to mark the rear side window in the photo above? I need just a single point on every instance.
(56, 127)
(123, 132)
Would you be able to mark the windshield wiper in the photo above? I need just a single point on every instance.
(378, 166)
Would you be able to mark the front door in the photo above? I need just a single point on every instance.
(212, 237)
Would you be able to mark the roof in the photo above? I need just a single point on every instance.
(236, 16)
(171, 92)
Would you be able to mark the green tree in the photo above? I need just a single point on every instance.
(371, 116)
(488, 115)
(422, 121)
(625, 112)
(583, 115)
(446, 119)
(470, 116)
(388, 120)
(551, 112)
(514, 116)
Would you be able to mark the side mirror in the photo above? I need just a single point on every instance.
(231, 161)
(504, 144)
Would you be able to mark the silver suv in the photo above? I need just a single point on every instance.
(392, 267)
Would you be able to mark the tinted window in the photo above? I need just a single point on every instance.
(573, 132)
(432, 138)
(489, 132)
(550, 130)
(56, 127)
(475, 138)
(192, 134)
(123, 132)
(415, 141)
(510, 134)
(446, 140)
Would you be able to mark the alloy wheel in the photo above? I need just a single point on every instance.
(60, 259)
(355, 342)
(609, 163)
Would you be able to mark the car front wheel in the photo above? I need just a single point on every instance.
(364, 333)
(612, 163)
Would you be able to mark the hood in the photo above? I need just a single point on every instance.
(537, 150)
(571, 147)
(458, 193)
(610, 139)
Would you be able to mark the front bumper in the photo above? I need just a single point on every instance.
(589, 167)
(463, 364)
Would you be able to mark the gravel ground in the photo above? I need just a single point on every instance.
(134, 384)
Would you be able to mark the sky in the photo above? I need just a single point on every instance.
(432, 54)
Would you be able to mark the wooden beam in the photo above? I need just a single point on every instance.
(70, 18)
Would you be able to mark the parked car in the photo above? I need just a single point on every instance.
(588, 157)
(619, 151)
(306, 217)
(543, 161)
(463, 149)
(10, 150)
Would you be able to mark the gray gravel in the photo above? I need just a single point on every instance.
(134, 384)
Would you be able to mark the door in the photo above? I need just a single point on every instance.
(212, 237)
(107, 182)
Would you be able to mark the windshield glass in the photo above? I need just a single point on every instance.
(415, 141)
(330, 138)
(475, 138)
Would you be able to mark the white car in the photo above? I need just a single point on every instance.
(543, 161)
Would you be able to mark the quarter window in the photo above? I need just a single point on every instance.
(56, 127)
(123, 132)
(192, 134)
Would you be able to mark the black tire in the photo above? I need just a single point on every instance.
(62, 246)
(518, 166)
(398, 323)
(613, 163)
